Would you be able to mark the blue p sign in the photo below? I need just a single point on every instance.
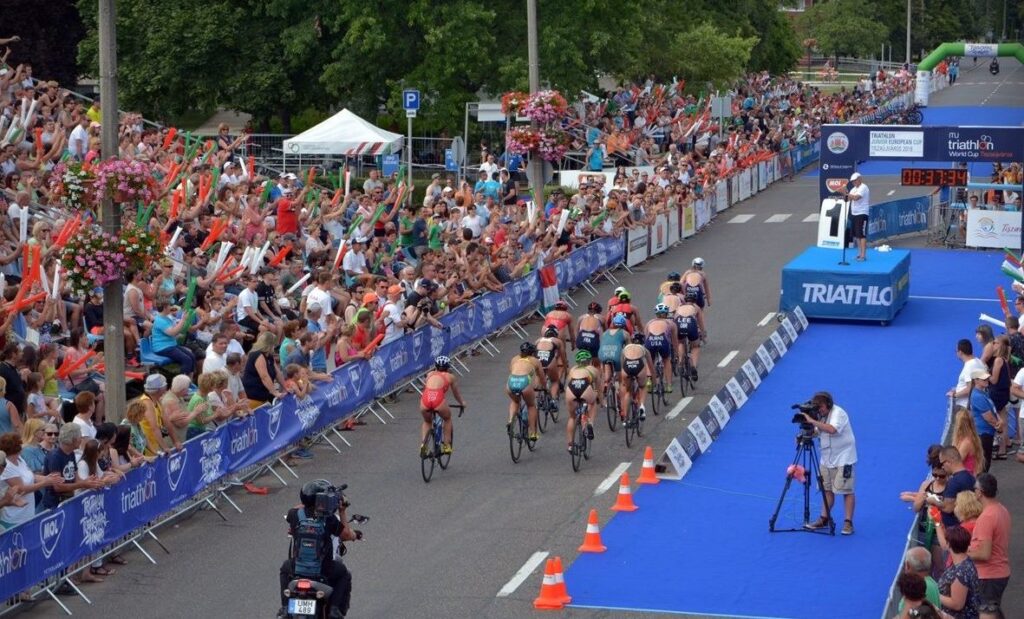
(411, 99)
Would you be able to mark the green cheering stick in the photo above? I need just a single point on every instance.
(355, 224)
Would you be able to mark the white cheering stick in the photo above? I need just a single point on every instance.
(993, 321)
(531, 211)
(174, 239)
(257, 258)
(296, 285)
(55, 289)
(562, 219)
(23, 225)
(44, 281)
(225, 247)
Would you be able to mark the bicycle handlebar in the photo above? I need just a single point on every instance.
(461, 407)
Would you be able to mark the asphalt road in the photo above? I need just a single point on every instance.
(447, 548)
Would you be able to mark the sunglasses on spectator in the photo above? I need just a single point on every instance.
(51, 434)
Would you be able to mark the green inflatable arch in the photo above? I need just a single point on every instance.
(932, 60)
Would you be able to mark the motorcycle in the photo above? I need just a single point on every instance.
(994, 68)
(309, 598)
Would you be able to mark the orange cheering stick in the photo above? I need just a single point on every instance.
(280, 255)
(169, 138)
(67, 368)
(1002, 300)
(373, 345)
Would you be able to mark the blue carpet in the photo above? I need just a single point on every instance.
(702, 545)
(948, 116)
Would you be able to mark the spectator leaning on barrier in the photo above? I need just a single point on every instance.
(962, 390)
(919, 561)
(990, 547)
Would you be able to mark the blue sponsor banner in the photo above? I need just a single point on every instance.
(897, 217)
(805, 155)
(389, 165)
(875, 289)
(44, 546)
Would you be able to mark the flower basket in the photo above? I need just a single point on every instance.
(512, 102)
(93, 258)
(74, 185)
(545, 106)
(124, 181)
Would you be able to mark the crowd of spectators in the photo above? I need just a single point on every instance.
(961, 567)
(259, 334)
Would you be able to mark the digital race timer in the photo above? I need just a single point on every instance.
(933, 177)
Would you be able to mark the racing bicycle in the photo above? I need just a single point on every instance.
(634, 423)
(433, 444)
(611, 401)
(519, 431)
(580, 444)
(658, 385)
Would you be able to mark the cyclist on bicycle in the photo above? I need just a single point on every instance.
(695, 280)
(663, 288)
(551, 354)
(636, 363)
(583, 384)
(612, 302)
(673, 298)
(625, 309)
(525, 376)
(435, 391)
(562, 321)
(612, 341)
(690, 322)
(588, 330)
(662, 341)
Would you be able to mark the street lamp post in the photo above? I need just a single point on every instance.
(533, 61)
(113, 295)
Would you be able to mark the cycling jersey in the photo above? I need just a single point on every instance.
(658, 343)
(611, 347)
(588, 341)
(433, 398)
(688, 325)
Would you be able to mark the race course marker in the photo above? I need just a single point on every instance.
(524, 572)
(732, 355)
(678, 408)
(611, 479)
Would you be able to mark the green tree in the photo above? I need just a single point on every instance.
(844, 27)
(706, 55)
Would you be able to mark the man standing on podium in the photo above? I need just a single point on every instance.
(860, 206)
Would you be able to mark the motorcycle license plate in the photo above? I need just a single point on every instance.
(302, 607)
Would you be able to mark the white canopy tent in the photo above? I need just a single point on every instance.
(343, 134)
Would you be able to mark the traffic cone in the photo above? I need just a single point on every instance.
(549, 598)
(647, 475)
(624, 502)
(592, 539)
(560, 581)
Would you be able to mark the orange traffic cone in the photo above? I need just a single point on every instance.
(560, 581)
(647, 475)
(549, 598)
(624, 502)
(592, 540)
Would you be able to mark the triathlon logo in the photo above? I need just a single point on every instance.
(986, 228)
(838, 143)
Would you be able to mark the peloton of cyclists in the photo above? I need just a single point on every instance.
(435, 391)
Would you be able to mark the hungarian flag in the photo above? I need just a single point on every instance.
(549, 287)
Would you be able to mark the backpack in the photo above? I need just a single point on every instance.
(308, 548)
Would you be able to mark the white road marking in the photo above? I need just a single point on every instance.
(891, 191)
(523, 573)
(812, 218)
(612, 479)
(767, 318)
(778, 219)
(678, 408)
(741, 219)
(732, 355)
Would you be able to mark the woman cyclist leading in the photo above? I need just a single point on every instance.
(435, 391)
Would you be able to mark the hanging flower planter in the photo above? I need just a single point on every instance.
(124, 181)
(92, 258)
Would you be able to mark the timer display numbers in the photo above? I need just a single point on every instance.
(933, 177)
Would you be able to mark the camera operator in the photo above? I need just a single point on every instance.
(332, 572)
(838, 455)
(420, 306)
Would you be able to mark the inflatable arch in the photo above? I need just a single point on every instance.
(982, 50)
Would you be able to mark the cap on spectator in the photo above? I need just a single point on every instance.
(285, 303)
(97, 292)
(488, 240)
(291, 176)
(980, 374)
(228, 164)
(360, 239)
(855, 176)
(94, 124)
(370, 297)
(395, 289)
(435, 175)
(426, 283)
(447, 190)
(313, 307)
(282, 175)
(155, 382)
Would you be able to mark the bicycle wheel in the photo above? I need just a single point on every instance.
(427, 463)
(442, 458)
(515, 437)
(524, 427)
(681, 371)
(611, 407)
(553, 408)
(638, 422)
(542, 410)
(656, 389)
(579, 444)
(631, 423)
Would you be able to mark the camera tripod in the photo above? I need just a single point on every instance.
(807, 457)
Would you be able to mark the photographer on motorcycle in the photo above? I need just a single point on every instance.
(312, 550)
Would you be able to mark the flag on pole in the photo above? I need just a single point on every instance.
(549, 287)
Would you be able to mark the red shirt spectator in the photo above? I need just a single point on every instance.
(287, 216)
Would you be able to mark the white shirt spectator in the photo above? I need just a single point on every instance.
(88, 428)
(392, 315)
(964, 379)
(78, 142)
(16, 515)
(246, 298)
(324, 300)
(860, 200)
(490, 168)
(354, 262)
(838, 449)
(214, 362)
(475, 223)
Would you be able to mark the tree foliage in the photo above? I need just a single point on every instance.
(49, 38)
(269, 57)
(845, 28)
